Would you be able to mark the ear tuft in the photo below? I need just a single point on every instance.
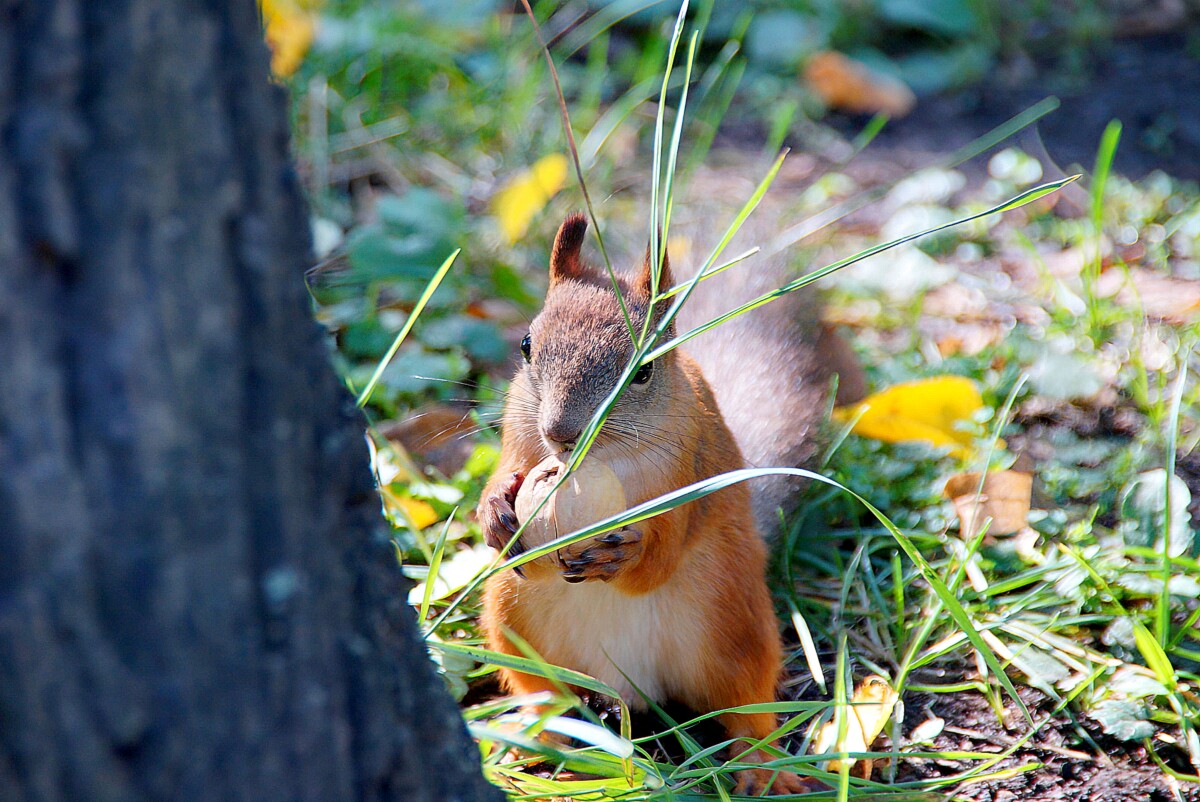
(565, 260)
(645, 276)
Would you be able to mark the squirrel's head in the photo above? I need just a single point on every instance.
(580, 343)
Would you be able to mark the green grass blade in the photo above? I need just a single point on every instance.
(1002, 132)
(867, 135)
(537, 668)
(1104, 160)
(576, 759)
(841, 701)
(591, 734)
(651, 508)
(707, 274)
(808, 646)
(1029, 196)
(1156, 659)
(430, 288)
(672, 162)
(815, 223)
(1162, 618)
(435, 565)
(657, 218)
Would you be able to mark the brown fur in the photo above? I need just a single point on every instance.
(697, 570)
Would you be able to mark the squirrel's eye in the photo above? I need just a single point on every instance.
(525, 343)
(644, 373)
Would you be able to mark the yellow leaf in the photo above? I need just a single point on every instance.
(419, 512)
(928, 410)
(866, 716)
(291, 26)
(516, 203)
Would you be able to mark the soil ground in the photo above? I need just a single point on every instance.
(1149, 83)
(1077, 761)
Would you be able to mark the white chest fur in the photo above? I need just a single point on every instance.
(623, 641)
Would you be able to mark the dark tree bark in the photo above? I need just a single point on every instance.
(197, 601)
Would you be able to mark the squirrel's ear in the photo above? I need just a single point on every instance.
(645, 277)
(565, 260)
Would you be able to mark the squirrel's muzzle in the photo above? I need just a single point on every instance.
(561, 431)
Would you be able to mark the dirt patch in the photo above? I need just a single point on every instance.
(1074, 761)
(1149, 83)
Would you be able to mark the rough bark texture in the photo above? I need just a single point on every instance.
(196, 600)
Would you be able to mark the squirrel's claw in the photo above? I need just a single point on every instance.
(602, 558)
(756, 782)
(498, 519)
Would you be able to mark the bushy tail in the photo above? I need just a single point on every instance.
(770, 369)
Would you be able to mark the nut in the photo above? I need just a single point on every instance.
(593, 492)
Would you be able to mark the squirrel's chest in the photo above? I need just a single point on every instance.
(620, 640)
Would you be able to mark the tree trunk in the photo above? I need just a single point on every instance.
(197, 598)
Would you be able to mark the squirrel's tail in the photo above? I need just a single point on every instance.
(770, 369)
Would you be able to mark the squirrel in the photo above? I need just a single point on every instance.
(678, 604)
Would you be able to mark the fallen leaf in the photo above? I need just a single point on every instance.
(934, 411)
(290, 28)
(438, 435)
(1144, 512)
(843, 83)
(1005, 500)
(1041, 669)
(1174, 300)
(419, 512)
(958, 302)
(969, 339)
(1025, 545)
(1135, 682)
(516, 203)
(868, 713)
(1123, 719)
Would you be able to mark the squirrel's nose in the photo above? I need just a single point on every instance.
(561, 432)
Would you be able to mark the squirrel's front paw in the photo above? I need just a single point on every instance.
(496, 515)
(602, 557)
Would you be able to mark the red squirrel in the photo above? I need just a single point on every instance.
(677, 605)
